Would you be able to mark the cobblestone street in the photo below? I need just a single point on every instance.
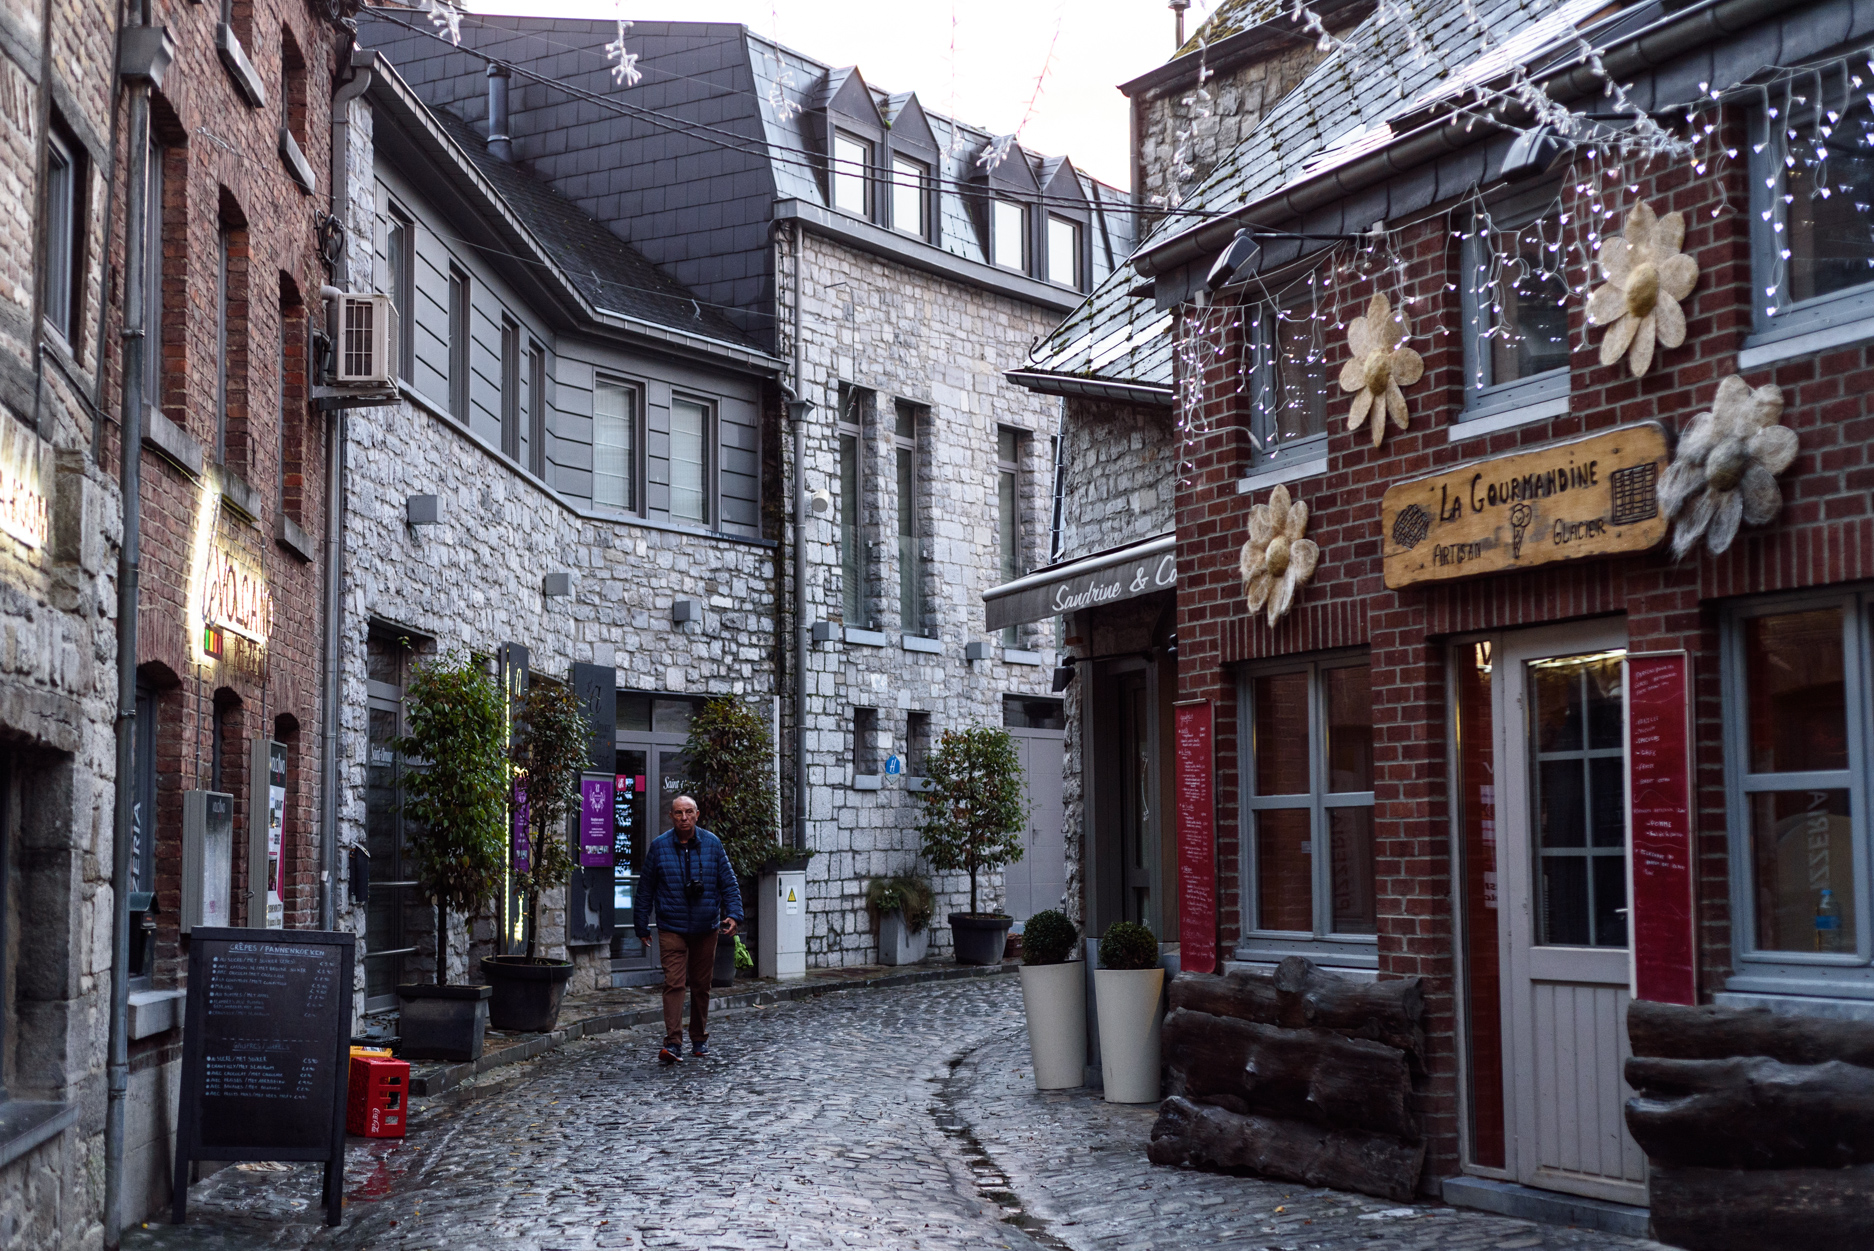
(887, 1118)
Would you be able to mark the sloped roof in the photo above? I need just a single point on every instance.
(1232, 17)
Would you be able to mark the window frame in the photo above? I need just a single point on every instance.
(1843, 975)
(62, 305)
(837, 172)
(510, 388)
(154, 219)
(1322, 944)
(636, 424)
(1769, 221)
(911, 569)
(711, 460)
(996, 205)
(1265, 379)
(854, 558)
(400, 260)
(537, 409)
(1009, 517)
(920, 174)
(461, 331)
(1488, 397)
(224, 248)
(1076, 281)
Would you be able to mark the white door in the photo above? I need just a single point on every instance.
(1562, 859)
(1038, 880)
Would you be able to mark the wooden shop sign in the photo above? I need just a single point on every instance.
(1594, 496)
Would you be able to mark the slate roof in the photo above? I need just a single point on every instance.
(1339, 110)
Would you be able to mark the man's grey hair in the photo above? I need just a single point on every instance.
(679, 799)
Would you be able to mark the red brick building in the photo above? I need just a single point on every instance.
(1427, 766)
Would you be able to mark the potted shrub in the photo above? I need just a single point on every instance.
(973, 816)
(904, 904)
(1127, 988)
(731, 777)
(549, 754)
(456, 800)
(1054, 996)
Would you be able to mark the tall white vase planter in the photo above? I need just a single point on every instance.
(1127, 1004)
(1055, 997)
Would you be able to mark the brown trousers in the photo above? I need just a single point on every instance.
(689, 960)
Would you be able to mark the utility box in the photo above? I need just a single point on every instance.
(783, 917)
(207, 859)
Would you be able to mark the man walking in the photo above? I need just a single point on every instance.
(690, 885)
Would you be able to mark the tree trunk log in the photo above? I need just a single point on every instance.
(1767, 1210)
(1189, 1133)
(1305, 1075)
(1709, 1032)
(1385, 1011)
(1244, 996)
(1752, 1113)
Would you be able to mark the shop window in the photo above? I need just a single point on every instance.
(691, 462)
(852, 550)
(1008, 235)
(1008, 512)
(1812, 247)
(1515, 302)
(459, 331)
(1064, 252)
(910, 198)
(510, 389)
(1307, 766)
(1288, 409)
(393, 885)
(66, 180)
(852, 165)
(615, 445)
(910, 521)
(1796, 772)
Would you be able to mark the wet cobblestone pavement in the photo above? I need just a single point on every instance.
(892, 1118)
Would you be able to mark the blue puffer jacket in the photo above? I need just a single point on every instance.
(668, 866)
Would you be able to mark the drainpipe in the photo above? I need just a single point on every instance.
(362, 64)
(798, 411)
(143, 53)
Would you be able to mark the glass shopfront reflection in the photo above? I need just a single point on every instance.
(650, 770)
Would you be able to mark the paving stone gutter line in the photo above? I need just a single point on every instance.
(435, 1079)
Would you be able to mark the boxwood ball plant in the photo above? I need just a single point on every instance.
(1048, 938)
(1127, 945)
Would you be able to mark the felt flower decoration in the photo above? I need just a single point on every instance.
(1726, 466)
(1647, 276)
(1380, 365)
(1277, 559)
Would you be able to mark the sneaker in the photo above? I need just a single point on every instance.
(700, 1050)
(671, 1055)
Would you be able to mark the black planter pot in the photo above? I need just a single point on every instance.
(725, 961)
(442, 1022)
(979, 939)
(526, 992)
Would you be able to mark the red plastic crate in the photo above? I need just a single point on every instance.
(378, 1096)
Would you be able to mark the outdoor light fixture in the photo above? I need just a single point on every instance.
(977, 650)
(685, 610)
(423, 510)
(557, 585)
(826, 632)
(1531, 154)
(1063, 676)
(820, 503)
(1241, 250)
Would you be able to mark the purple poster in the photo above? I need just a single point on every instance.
(522, 860)
(595, 823)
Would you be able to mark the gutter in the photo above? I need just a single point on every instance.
(1049, 383)
(1645, 49)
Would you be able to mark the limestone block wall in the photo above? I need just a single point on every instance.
(1119, 474)
(905, 335)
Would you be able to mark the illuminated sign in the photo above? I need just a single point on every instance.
(235, 597)
(23, 509)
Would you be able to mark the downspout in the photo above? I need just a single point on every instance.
(362, 64)
(798, 411)
(129, 559)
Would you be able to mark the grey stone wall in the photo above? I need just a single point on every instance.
(1119, 476)
(902, 334)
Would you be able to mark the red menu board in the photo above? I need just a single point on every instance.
(1659, 797)
(1197, 840)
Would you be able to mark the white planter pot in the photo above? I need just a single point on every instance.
(1055, 996)
(897, 945)
(1127, 1001)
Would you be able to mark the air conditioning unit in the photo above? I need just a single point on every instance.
(367, 342)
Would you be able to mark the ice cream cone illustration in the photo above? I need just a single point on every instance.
(1520, 517)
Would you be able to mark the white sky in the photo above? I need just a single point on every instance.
(1001, 49)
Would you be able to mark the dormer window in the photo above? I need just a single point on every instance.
(852, 162)
(1008, 235)
(909, 197)
(1063, 252)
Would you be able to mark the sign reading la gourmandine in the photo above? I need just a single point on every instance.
(1593, 496)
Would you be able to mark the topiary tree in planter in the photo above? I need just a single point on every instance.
(550, 753)
(456, 803)
(731, 766)
(1054, 999)
(1048, 938)
(974, 810)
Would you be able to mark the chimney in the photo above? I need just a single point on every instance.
(1177, 6)
(499, 145)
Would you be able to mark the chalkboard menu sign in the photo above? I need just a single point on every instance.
(264, 1052)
